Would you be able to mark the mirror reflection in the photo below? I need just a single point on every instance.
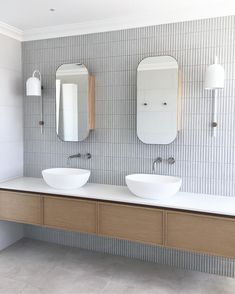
(157, 100)
(73, 102)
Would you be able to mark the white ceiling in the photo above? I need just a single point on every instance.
(32, 19)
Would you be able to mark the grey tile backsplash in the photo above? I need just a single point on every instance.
(206, 164)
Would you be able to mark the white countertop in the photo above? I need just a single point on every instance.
(182, 200)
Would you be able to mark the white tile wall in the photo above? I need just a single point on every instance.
(11, 126)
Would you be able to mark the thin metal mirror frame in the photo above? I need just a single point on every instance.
(55, 101)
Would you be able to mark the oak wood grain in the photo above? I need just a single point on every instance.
(20, 207)
(131, 223)
(208, 234)
(74, 215)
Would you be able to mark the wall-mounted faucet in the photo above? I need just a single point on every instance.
(79, 155)
(170, 160)
(155, 162)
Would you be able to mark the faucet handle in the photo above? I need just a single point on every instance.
(88, 155)
(171, 160)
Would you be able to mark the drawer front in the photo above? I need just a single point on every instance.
(209, 234)
(20, 207)
(69, 214)
(131, 223)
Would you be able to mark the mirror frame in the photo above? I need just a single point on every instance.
(91, 101)
(178, 102)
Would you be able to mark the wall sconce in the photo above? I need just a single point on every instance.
(214, 80)
(34, 88)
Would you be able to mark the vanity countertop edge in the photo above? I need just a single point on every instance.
(204, 203)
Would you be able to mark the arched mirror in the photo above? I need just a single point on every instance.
(158, 100)
(74, 102)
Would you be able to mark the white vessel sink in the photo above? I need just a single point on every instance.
(66, 178)
(153, 186)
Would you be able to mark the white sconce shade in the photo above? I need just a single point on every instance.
(34, 88)
(33, 85)
(214, 77)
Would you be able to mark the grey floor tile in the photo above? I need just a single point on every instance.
(35, 267)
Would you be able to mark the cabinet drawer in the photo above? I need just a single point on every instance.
(69, 214)
(209, 234)
(131, 223)
(20, 207)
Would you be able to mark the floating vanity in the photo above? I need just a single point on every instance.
(194, 222)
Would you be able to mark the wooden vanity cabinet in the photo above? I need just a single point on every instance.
(202, 233)
(131, 222)
(21, 207)
(199, 232)
(70, 214)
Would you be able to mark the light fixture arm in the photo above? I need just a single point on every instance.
(41, 122)
(214, 81)
(37, 72)
(214, 118)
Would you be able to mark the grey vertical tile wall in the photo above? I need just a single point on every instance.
(206, 164)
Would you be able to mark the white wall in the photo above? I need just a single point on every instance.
(11, 126)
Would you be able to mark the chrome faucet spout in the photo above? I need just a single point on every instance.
(155, 162)
(73, 156)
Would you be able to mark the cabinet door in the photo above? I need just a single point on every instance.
(70, 214)
(131, 223)
(203, 233)
(20, 207)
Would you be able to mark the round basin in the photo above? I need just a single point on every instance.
(153, 186)
(66, 178)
